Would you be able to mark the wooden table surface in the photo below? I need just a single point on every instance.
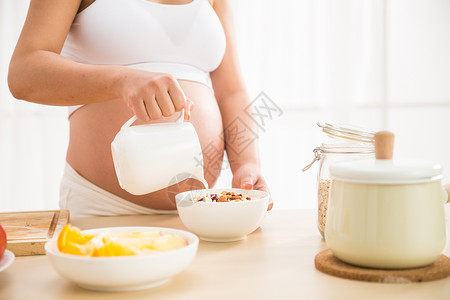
(274, 262)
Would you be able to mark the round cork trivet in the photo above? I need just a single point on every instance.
(326, 262)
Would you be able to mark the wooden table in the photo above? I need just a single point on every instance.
(275, 262)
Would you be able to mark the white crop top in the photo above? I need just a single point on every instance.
(185, 40)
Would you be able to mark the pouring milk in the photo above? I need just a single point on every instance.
(148, 157)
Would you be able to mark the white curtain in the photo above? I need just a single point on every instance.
(33, 137)
(313, 54)
(360, 62)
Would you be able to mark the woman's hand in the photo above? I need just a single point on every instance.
(249, 177)
(153, 95)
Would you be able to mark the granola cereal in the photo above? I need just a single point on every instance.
(324, 193)
(222, 197)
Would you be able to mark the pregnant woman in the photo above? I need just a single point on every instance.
(110, 59)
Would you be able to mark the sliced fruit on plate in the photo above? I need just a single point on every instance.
(139, 240)
(72, 235)
(112, 248)
(73, 241)
(77, 249)
(168, 242)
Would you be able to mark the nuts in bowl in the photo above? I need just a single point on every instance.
(224, 196)
(121, 258)
(222, 215)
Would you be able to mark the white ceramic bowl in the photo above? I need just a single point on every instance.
(123, 273)
(222, 221)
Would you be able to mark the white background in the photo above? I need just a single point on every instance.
(371, 63)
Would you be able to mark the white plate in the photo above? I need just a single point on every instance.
(123, 273)
(6, 260)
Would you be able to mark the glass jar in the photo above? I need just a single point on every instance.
(344, 143)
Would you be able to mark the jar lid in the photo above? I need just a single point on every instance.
(386, 171)
(335, 147)
(347, 132)
(346, 140)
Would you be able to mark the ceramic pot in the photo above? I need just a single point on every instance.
(386, 214)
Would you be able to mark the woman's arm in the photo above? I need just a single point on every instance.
(239, 128)
(38, 73)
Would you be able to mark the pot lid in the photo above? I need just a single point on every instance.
(386, 171)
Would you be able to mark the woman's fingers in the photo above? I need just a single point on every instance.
(153, 109)
(154, 95)
(262, 186)
(188, 108)
(165, 103)
(140, 110)
(177, 95)
(247, 181)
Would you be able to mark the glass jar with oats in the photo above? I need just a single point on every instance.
(343, 143)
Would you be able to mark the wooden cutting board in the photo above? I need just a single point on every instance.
(28, 231)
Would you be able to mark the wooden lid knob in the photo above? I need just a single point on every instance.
(384, 145)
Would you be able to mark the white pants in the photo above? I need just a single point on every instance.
(84, 199)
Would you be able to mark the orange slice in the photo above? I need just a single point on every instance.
(77, 249)
(72, 235)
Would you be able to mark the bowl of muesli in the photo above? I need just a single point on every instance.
(222, 215)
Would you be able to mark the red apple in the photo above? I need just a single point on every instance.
(2, 240)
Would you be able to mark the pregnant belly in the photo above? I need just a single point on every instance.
(94, 126)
